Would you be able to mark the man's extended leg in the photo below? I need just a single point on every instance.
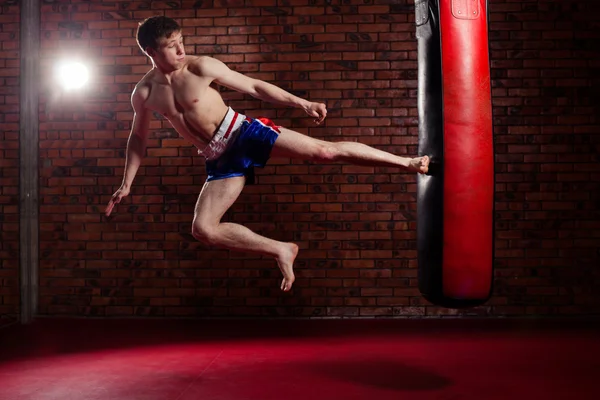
(297, 145)
(215, 199)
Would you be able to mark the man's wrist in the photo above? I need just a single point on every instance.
(305, 104)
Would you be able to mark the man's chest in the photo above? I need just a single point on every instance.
(176, 98)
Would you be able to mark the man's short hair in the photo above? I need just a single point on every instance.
(152, 29)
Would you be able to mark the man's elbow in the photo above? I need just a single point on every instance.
(257, 88)
(137, 141)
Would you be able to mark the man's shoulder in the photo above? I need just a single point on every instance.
(199, 64)
(140, 93)
(199, 59)
(142, 88)
(147, 79)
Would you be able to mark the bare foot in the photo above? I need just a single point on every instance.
(286, 265)
(419, 164)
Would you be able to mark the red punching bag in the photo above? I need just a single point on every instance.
(455, 199)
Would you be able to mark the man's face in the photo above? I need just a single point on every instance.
(170, 50)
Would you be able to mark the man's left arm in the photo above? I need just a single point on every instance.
(223, 75)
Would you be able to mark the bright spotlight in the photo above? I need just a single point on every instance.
(72, 75)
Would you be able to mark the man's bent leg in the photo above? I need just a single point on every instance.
(293, 144)
(215, 199)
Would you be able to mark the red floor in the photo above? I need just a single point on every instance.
(309, 360)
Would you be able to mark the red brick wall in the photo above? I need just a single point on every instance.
(355, 226)
(9, 161)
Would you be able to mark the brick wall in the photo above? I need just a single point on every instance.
(9, 161)
(355, 225)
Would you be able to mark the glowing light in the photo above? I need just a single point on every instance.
(72, 75)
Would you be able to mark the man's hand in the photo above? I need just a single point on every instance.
(318, 110)
(116, 199)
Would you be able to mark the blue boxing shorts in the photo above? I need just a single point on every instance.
(239, 145)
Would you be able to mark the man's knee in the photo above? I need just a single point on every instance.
(205, 233)
(327, 152)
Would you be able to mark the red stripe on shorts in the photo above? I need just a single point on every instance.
(230, 126)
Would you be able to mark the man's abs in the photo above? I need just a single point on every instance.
(198, 127)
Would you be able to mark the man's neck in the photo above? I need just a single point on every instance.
(167, 74)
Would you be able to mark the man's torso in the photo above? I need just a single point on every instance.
(192, 106)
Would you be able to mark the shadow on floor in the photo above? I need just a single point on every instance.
(380, 373)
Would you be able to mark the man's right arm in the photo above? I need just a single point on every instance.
(136, 144)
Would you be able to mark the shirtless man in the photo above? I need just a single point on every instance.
(178, 87)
